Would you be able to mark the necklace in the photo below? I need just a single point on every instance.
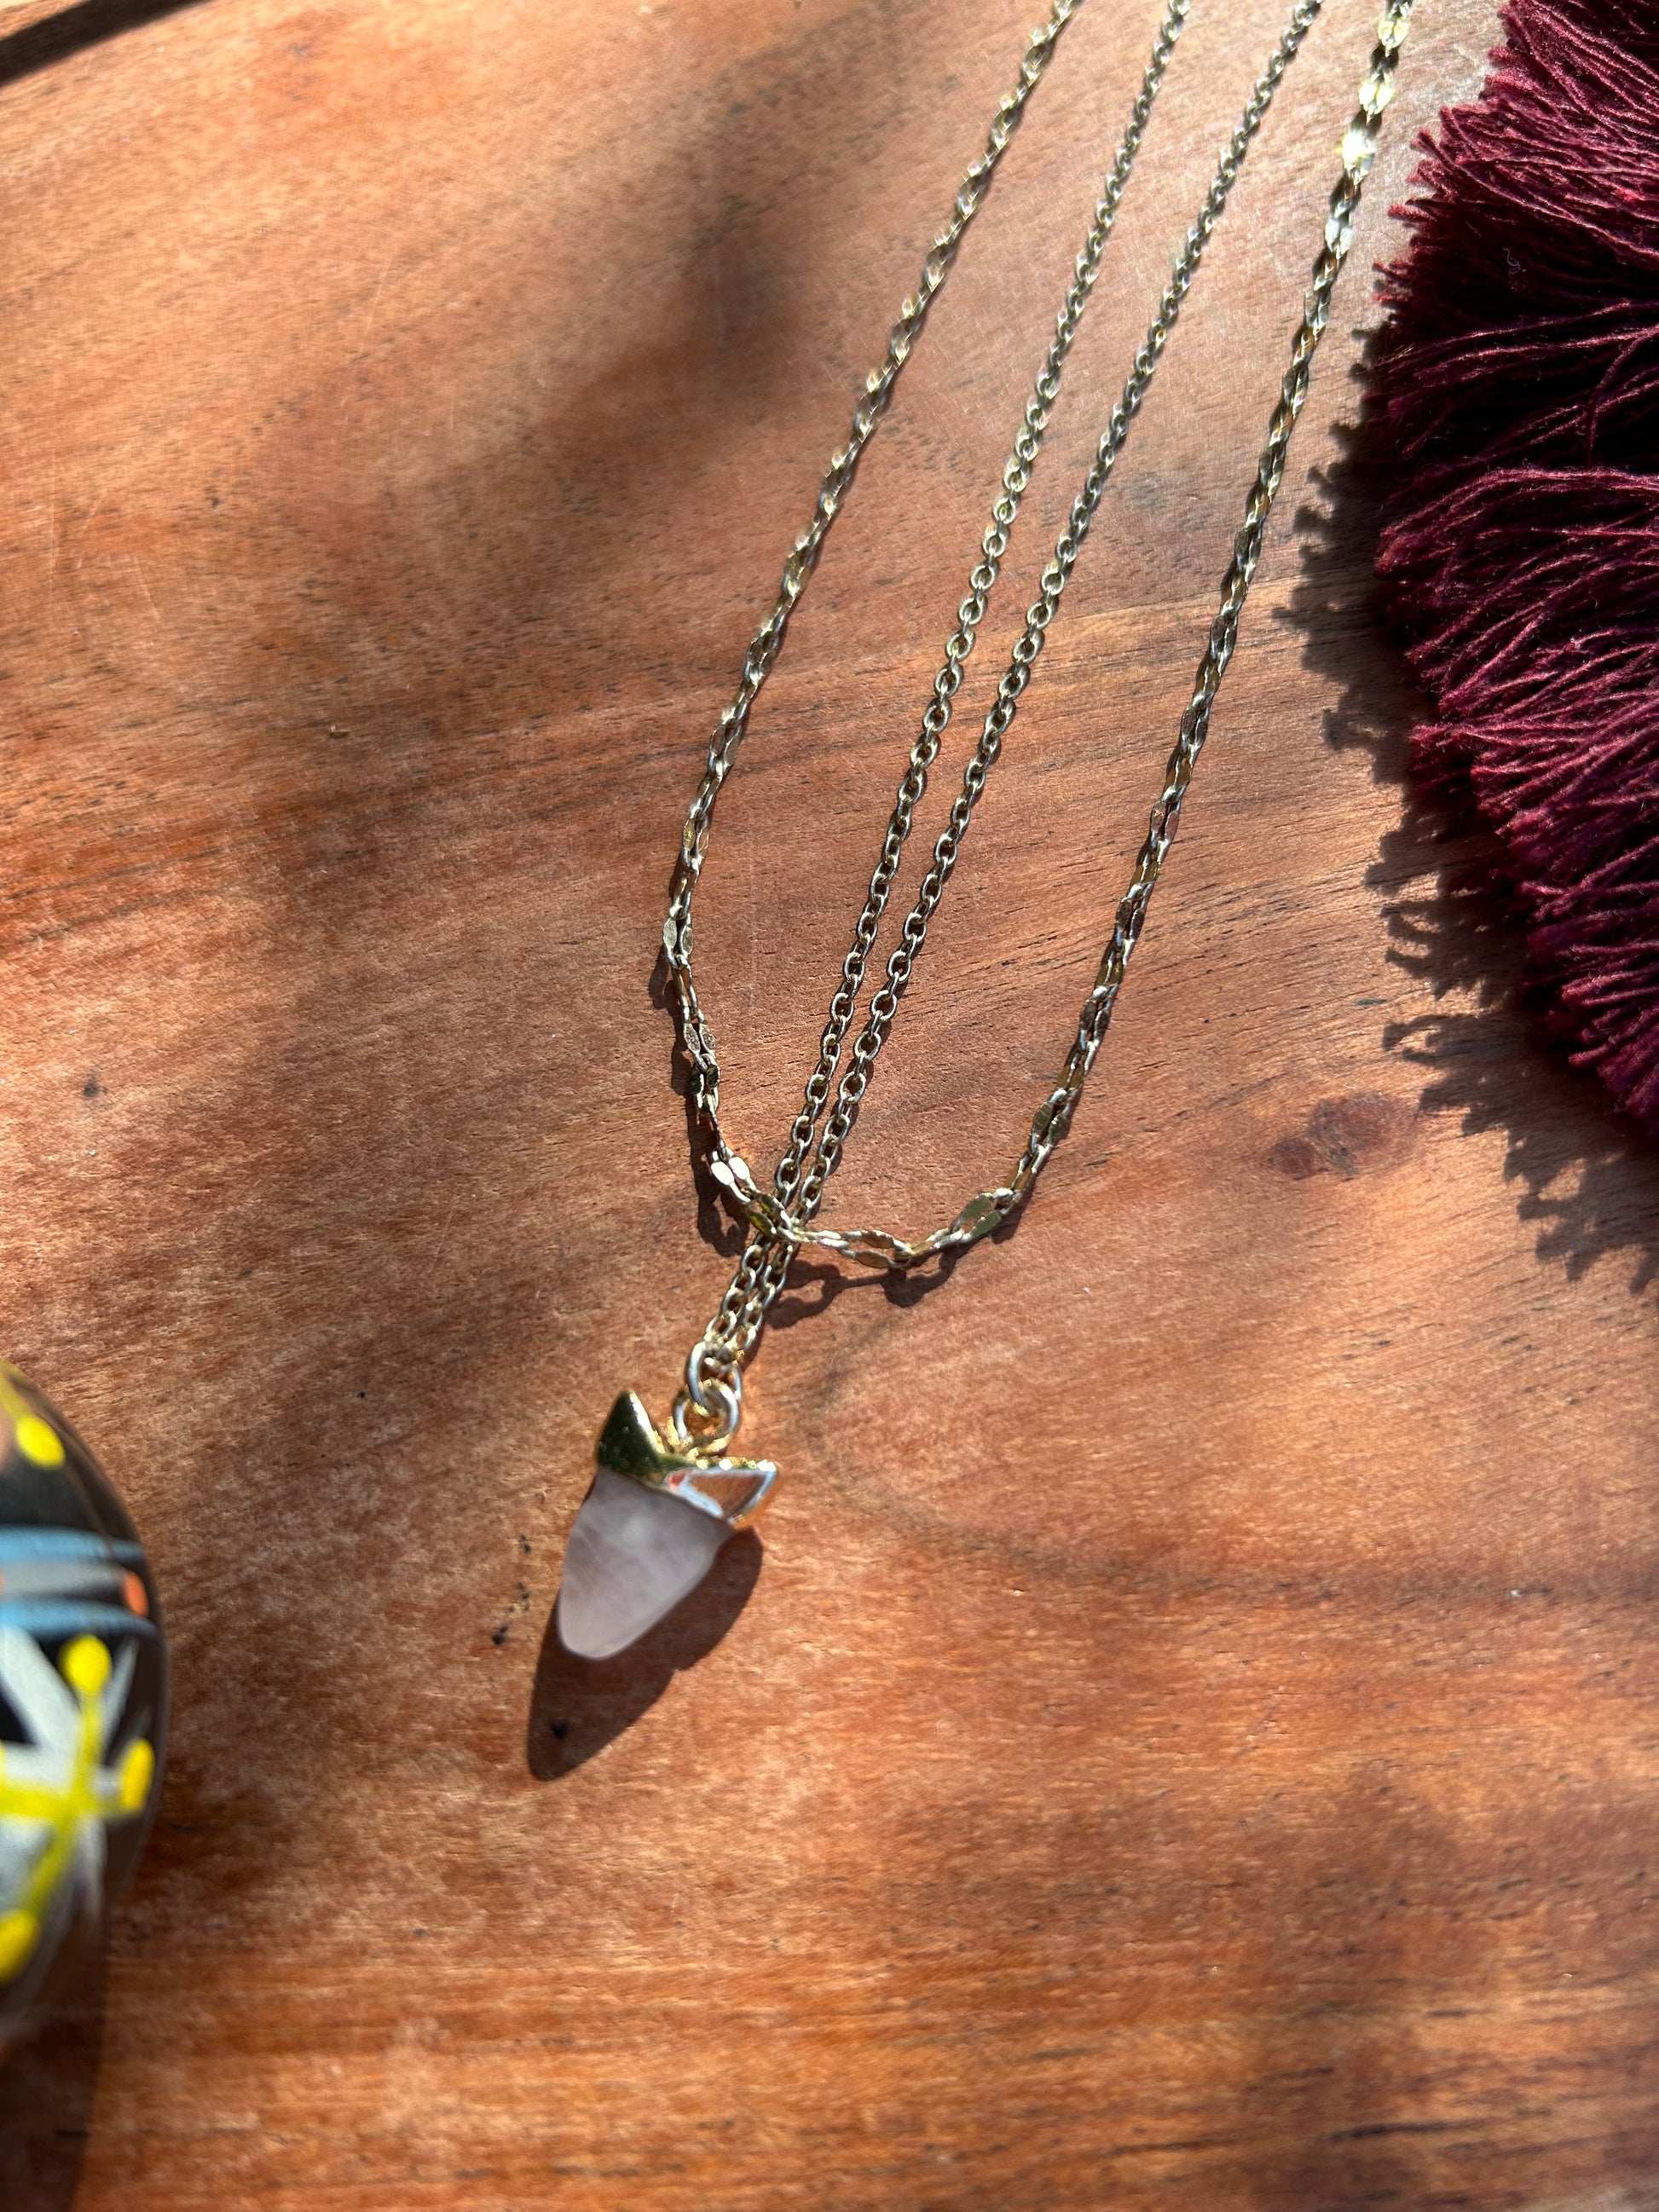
(663, 1503)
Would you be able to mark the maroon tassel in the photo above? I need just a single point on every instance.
(1520, 383)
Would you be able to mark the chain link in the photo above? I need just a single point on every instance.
(993, 544)
(780, 1220)
(764, 646)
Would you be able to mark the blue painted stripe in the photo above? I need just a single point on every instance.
(65, 1544)
(52, 1617)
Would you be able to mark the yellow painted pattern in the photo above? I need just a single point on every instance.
(36, 1439)
(90, 1792)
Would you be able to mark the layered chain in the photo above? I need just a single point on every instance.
(780, 1220)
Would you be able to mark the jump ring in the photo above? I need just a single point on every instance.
(722, 1409)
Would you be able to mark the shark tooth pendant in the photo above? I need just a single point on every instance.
(647, 1530)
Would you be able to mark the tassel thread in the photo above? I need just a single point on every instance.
(1520, 383)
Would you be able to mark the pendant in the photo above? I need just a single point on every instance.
(83, 1701)
(647, 1530)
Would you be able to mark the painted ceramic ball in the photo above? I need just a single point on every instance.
(82, 1702)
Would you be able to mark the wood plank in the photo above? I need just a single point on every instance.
(1185, 1734)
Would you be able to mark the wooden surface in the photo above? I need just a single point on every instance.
(1189, 1739)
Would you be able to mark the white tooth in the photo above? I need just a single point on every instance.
(634, 1554)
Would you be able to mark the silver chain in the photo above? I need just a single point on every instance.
(707, 1412)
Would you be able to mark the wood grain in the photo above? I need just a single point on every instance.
(1188, 1739)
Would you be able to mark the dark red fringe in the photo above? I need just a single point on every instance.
(1520, 383)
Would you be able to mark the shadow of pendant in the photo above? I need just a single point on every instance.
(578, 1706)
